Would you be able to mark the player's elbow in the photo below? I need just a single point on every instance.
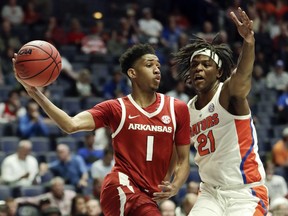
(69, 128)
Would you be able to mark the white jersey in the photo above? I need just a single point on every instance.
(227, 149)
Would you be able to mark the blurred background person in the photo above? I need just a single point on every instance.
(20, 168)
(58, 196)
(78, 207)
(68, 166)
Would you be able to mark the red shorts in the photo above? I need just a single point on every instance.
(119, 196)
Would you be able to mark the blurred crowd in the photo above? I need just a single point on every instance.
(36, 157)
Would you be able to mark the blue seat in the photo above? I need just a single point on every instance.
(194, 175)
(50, 156)
(5, 192)
(40, 144)
(92, 101)
(9, 144)
(30, 191)
(71, 105)
(181, 194)
(4, 91)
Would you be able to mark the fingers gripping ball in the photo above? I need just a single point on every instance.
(38, 63)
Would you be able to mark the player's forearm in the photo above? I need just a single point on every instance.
(62, 119)
(246, 59)
(181, 173)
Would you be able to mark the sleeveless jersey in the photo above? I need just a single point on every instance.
(227, 149)
(143, 141)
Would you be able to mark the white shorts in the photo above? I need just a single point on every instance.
(216, 201)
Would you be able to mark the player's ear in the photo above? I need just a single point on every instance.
(219, 73)
(131, 73)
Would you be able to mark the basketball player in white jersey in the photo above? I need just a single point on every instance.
(222, 129)
(146, 128)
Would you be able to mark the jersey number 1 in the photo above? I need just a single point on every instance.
(150, 143)
(204, 140)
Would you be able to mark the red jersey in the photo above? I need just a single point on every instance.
(143, 138)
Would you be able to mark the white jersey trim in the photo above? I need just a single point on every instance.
(122, 118)
(172, 110)
(149, 115)
(191, 104)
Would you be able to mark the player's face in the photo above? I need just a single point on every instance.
(203, 73)
(147, 72)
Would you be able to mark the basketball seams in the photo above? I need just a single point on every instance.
(45, 53)
(37, 73)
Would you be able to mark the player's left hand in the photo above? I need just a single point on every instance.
(167, 190)
(244, 25)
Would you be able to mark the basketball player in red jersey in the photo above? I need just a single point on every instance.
(146, 128)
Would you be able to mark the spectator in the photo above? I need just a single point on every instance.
(75, 34)
(11, 109)
(13, 12)
(148, 26)
(282, 107)
(276, 184)
(93, 208)
(116, 87)
(186, 204)
(171, 33)
(83, 86)
(70, 167)
(102, 138)
(20, 168)
(129, 27)
(58, 196)
(102, 167)
(94, 43)
(9, 44)
(31, 16)
(88, 153)
(167, 208)
(54, 32)
(277, 78)
(179, 91)
(78, 207)
(279, 207)
(12, 206)
(207, 32)
(3, 210)
(259, 86)
(117, 44)
(280, 153)
(32, 123)
(193, 187)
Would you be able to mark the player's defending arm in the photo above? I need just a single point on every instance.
(80, 122)
(240, 82)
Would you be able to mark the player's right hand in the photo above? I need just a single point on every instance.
(26, 86)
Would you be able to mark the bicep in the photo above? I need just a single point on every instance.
(239, 84)
(83, 121)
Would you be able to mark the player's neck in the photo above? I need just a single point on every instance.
(144, 99)
(206, 96)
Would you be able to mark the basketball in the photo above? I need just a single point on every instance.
(38, 63)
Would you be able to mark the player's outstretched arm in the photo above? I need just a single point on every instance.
(81, 122)
(240, 82)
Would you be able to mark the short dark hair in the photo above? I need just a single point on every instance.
(128, 59)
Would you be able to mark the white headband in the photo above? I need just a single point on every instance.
(208, 52)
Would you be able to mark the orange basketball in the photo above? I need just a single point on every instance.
(38, 63)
